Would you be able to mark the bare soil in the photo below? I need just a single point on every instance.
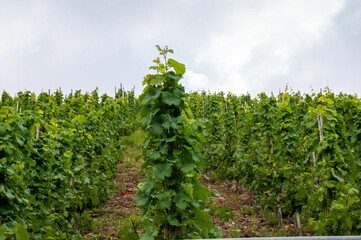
(119, 207)
(244, 217)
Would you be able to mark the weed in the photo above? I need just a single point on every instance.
(247, 210)
(271, 217)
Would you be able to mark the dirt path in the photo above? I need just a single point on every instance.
(245, 218)
(237, 214)
(119, 207)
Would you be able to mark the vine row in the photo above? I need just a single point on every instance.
(299, 154)
(58, 155)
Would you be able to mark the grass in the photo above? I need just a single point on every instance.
(133, 151)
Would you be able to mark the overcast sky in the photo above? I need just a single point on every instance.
(227, 45)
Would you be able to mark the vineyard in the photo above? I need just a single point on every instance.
(58, 155)
(298, 154)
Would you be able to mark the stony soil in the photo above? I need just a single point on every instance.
(243, 217)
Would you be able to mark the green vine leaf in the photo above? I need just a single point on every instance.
(178, 67)
(163, 170)
(170, 99)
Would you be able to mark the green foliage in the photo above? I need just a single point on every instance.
(270, 217)
(247, 210)
(84, 222)
(136, 139)
(57, 157)
(129, 229)
(297, 153)
(224, 213)
(171, 198)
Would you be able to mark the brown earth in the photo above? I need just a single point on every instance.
(118, 207)
(241, 216)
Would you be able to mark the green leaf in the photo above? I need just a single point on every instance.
(338, 178)
(10, 171)
(19, 141)
(156, 128)
(182, 201)
(173, 221)
(352, 200)
(163, 170)
(170, 99)
(7, 192)
(216, 193)
(166, 121)
(200, 192)
(187, 167)
(172, 75)
(178, 67)
(4, 126)
(141, 200)
(160, 50)
(301, 194)
(155, 155)
(188, 188)
(353, 191)
(150, 95)
(157, 79)
(348, 222)
(126, 231)
(79, 168)
(224, 213)
(164, 199)
(2, 233)
(196, 157)
(21, 232)
(203, 221)
(150, 234)
(146, 186)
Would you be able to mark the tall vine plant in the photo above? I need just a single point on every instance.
(171, 197)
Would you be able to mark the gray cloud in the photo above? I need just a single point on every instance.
(226, 45)
(335, 61)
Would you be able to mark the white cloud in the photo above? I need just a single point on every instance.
(258, 46)
(229, 45)
(195, 81)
